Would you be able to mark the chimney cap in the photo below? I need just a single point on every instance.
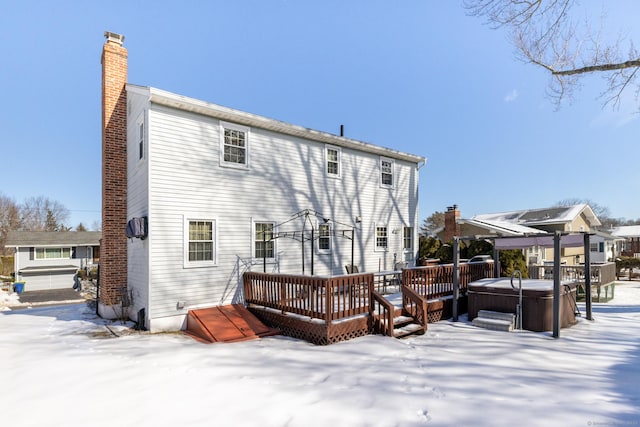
(114, 37)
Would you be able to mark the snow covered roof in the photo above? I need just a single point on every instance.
(627, 231)
(544, 216)
(52, 238)
(503, 228)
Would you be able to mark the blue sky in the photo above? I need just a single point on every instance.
(417, 76)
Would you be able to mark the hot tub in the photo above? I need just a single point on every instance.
(537, 301)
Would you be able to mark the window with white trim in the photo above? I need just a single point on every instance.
(200, 242)
(382, 238)
(140, 139)
(386, 172)
(324, 237)
(593, 247)
(407, 240)
(53, 253)
(333, 157)
(263, 240)
(234, 145)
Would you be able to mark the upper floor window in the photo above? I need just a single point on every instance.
(386, 172)
(200, 248)
(234, 145)
(382, 238)
(324, 237)
(263, 240)
(408, 238)
(53, 253)
(332, 156)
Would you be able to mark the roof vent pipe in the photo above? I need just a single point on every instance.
(341, 130)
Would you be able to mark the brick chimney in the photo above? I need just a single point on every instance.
(451, 227)
(113, 250)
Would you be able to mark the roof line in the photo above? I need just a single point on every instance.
(185, 103)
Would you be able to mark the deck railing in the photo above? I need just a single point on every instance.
(325, 298)
(436, 281)
(601, 274)
(415, 305)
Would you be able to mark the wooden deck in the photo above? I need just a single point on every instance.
(325, 310)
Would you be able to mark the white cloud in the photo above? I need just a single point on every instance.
(511, 96)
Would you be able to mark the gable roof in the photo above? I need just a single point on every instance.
(193, 105)
(544, 216)
(52, 238)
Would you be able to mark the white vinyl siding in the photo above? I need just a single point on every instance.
(184, 154)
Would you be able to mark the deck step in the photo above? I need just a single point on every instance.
(410, 329)
(498, 315)
(399, 321)
(493, 324)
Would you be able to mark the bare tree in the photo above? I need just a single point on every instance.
(9, 220)
(43, 214)
(548, 34)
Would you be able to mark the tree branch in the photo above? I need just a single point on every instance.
(635, 63)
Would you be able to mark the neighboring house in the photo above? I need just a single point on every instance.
(605, 247)
(50, 260)
(214, 192)
(576, 218)
(631, 236)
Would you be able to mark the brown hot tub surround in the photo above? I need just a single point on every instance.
(537, 301)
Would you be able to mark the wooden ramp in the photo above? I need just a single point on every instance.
(227, 323)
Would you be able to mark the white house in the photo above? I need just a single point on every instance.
(213, 192)
(631, 236)
(50, 260)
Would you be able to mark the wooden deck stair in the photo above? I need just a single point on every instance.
(404, 325)
(227, 323)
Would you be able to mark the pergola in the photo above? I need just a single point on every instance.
(311, 234)
(556, 240)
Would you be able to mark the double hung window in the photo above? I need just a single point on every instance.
(200, 242)
(234, 145)
(386, 172)
(263, 240)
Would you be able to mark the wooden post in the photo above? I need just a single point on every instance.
(312, 247)
(496, 261)
(352, 243)
(587, 275)
(556, 284)
(456, 278)
(328, 305)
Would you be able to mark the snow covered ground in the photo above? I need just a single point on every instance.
(61, 366)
